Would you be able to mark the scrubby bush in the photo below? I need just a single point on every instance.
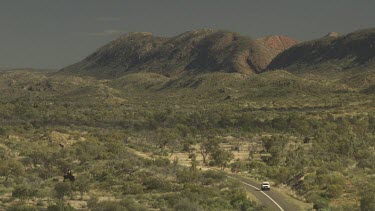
(367, 201)
(186, 205)
(239, 200)
(124, 205)
(188, 175)
(238, 166)
(11, 168)
(22, 208)
(132, 188)
(63, 189)
(24, 192)
(60, 206)
(157, 183)
(319, 202)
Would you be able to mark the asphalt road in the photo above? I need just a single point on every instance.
(272, 200)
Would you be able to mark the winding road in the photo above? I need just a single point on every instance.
(272, 200)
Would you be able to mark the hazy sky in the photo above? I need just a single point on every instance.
(55, 33)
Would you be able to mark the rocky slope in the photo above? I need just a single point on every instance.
(278, 43)
(271, 46)
(330, 53)
(204, 50)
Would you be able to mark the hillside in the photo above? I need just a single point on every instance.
(204, 50)
(271, 46)
(330, 53)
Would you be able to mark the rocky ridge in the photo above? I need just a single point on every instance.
(204, 50)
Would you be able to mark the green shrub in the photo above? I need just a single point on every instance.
(239, 200)
(367, 201)
(24, 192)
(22, 208)
(238, 166)
(216, 175)
(186, 205)
(63, 189)
(131, 188)
(319, 202)
(82, 183)
(124, 205)
(157, 183)
(60, 206)
(187, 175)
(161, 162)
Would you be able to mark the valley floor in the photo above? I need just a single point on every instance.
(137, 142)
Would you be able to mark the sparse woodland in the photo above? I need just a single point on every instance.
(311, 133)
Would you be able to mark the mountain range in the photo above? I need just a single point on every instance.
(204, 50)
(210, 50)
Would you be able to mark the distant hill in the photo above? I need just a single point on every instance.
(205, 50)
(330, 53)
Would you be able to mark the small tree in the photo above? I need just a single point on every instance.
(82, 184)
(238, 166)
(222, 157)
(11, 167)
(275, 145)
(207, 147)
(166, 137)
(194, 162)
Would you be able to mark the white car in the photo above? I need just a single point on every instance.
(265, 186)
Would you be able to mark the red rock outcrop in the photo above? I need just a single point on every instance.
(278, 42)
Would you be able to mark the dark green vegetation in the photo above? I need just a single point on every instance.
(317, 135)
(312, 132)
(96, 122)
